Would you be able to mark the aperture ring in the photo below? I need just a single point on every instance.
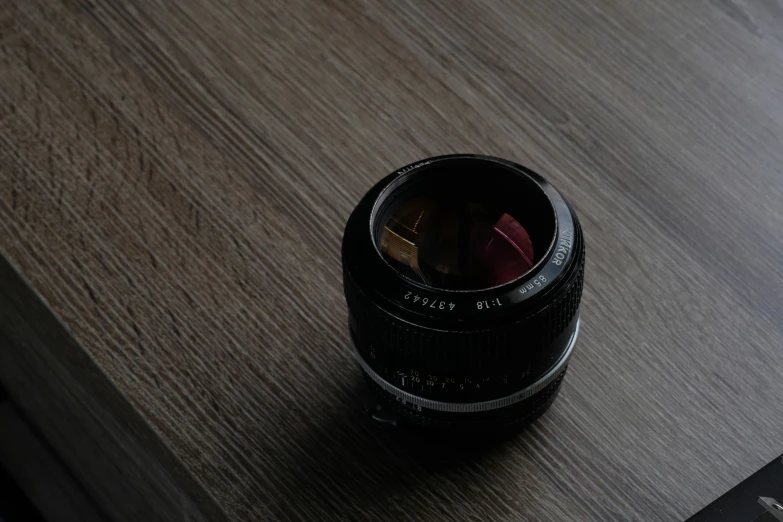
(468, 407)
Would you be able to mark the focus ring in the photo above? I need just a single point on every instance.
(480, 406)
(404, 344)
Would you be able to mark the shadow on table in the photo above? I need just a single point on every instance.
(347, 466)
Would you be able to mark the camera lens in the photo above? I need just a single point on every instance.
(463, 276)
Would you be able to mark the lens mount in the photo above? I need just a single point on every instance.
(463, 347)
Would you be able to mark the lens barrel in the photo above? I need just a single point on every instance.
(463, 276)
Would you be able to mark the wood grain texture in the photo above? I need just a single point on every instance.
(175, 177)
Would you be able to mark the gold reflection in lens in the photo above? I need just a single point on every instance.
(400, 237)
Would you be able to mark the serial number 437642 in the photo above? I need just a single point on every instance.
(429, 303)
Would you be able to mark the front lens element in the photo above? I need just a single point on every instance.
(456, 245)
(452, 232)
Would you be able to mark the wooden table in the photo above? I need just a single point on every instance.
(174, 182)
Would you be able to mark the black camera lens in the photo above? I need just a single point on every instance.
(463, 276)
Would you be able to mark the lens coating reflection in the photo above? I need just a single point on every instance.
(456, 245)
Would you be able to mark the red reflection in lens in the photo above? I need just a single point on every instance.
(517, 236)
(503, 252)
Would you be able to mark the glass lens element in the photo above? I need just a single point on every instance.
(457, 245)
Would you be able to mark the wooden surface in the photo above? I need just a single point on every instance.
(174, 181)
